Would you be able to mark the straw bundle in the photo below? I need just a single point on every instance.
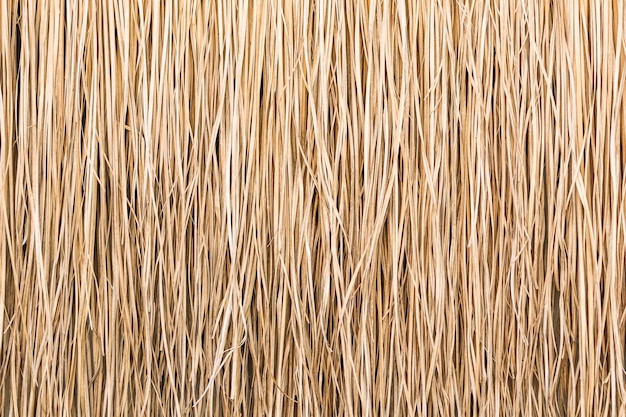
(312, 208)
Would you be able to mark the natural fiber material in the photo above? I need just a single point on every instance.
(312, 208)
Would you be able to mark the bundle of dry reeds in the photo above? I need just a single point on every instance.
(312, 208)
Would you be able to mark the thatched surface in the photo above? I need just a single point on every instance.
(312, 208)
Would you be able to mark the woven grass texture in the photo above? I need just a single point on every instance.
(312, 208)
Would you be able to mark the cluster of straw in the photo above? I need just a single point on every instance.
(312, 208)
